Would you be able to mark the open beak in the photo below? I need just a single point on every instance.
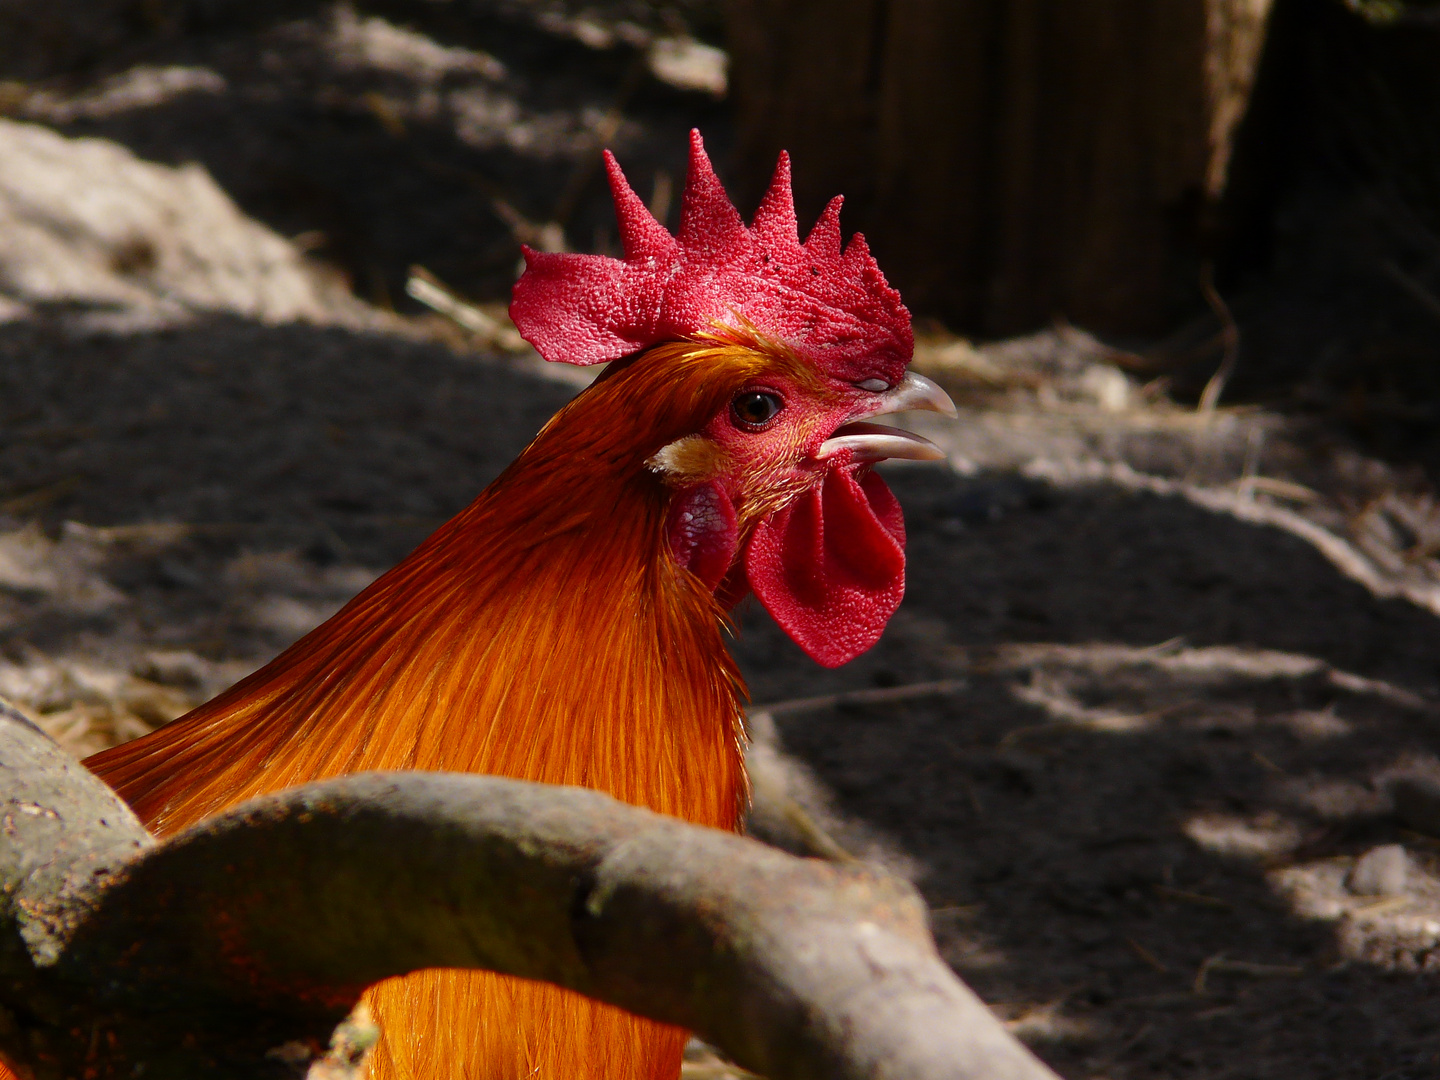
(876, 442)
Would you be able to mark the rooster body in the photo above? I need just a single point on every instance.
(568, 626)
(512, 643)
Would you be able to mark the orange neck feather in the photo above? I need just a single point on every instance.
(543, 633)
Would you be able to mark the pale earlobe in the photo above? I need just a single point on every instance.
(690, 460)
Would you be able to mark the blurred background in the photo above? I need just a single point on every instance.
(1155, 731)
(1012, 164)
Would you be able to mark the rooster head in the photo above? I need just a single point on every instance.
(798, 347)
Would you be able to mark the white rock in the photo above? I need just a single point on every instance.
(141, 87)
(65, 573)
(1381, 871)
(122, 244)
(690, 65)
(373, 43)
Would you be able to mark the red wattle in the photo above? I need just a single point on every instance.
(830, 566)
(703, 532)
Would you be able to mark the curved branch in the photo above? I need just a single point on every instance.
(258, 930)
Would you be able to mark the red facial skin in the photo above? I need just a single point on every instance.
(766, 466)
(817, 537)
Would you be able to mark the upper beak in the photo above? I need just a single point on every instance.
(874, 442)
(915, 393)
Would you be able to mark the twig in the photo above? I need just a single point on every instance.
(1280, 489)
(714, 1070)
(428, 290)
(608, 129)
(1198, 986)
(1413, 287)
(1229, 337)
(1218, 964)
(1146, 955)
(1136, 1039)
(703, 1062)
(1380, 907)
(817, 841)
(33, 500)
(956, 911)
(1254, 444)
(1266, 764)
(660, 195)
(1343, 555)
(880, 696)
(1188, 897)
(547, 236)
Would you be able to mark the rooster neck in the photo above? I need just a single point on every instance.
(543, 633)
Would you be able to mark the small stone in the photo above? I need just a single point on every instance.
(1381, 871)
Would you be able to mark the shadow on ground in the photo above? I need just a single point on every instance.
(1203, 724)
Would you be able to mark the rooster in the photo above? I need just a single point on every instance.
(568, 626)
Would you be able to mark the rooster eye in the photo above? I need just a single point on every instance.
(753, 409)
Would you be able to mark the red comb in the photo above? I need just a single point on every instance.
(832, 306)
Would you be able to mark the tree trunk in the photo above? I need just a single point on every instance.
(233, 949)
(1010, 161)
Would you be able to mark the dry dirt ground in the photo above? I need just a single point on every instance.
(1154, 730)
(1154, 742)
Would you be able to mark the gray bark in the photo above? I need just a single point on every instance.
(235, 948)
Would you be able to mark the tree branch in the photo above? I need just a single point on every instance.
(233, 944)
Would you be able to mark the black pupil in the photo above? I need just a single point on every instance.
(755, 408)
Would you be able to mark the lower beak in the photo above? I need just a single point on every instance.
(875, 442)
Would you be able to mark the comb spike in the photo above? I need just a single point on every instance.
(823, 243)
(857, 254)
(641, 234)
(709, 222)
(834, 309)
(775, 219)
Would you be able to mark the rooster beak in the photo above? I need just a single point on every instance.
(915, 393)
(875, 442)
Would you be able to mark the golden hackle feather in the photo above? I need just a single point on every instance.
(543, 633)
